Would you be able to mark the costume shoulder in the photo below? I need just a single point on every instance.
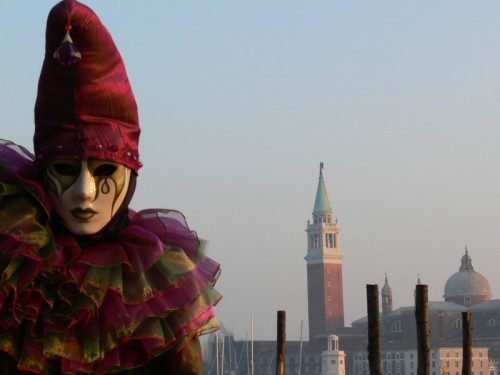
(24, 206)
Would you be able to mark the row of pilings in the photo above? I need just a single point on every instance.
(423, 332)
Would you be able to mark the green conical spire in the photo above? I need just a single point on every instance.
(322, 203)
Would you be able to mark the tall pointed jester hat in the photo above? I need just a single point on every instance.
(85, 107)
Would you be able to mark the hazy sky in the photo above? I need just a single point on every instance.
(241, 100)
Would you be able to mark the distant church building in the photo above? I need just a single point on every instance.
(335, 349)
(465, 290)
(324, 267)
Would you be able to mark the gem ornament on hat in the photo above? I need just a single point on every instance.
(67, 54)
(85, 107)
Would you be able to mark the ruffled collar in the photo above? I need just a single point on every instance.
(113, 304)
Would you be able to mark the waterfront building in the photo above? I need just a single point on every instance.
(443, 360)
(465, 290)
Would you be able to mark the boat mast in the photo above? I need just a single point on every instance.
(300, 348)
(222, 355)
(217, 352)
(252, 347)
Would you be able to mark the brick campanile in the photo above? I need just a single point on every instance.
(324, 267)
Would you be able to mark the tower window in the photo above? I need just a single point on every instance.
(315, 241)
(329, 239)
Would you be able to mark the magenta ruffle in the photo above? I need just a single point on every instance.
(109, 306)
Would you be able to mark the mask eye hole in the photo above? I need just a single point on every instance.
(105, 170)
(65, 169)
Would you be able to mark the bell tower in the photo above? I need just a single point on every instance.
(324, 267)
(386, 294)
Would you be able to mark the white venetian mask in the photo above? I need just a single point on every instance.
(86, 193)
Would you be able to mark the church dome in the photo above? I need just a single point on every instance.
(467, 286)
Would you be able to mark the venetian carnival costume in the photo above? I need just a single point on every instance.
(135, 293)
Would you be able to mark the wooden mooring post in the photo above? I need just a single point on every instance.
(281, 344)
(423, 336)
(467, 343)
(374, 359)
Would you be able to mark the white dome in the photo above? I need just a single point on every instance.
(467, 282)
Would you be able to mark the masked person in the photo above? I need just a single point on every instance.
(87, 285)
